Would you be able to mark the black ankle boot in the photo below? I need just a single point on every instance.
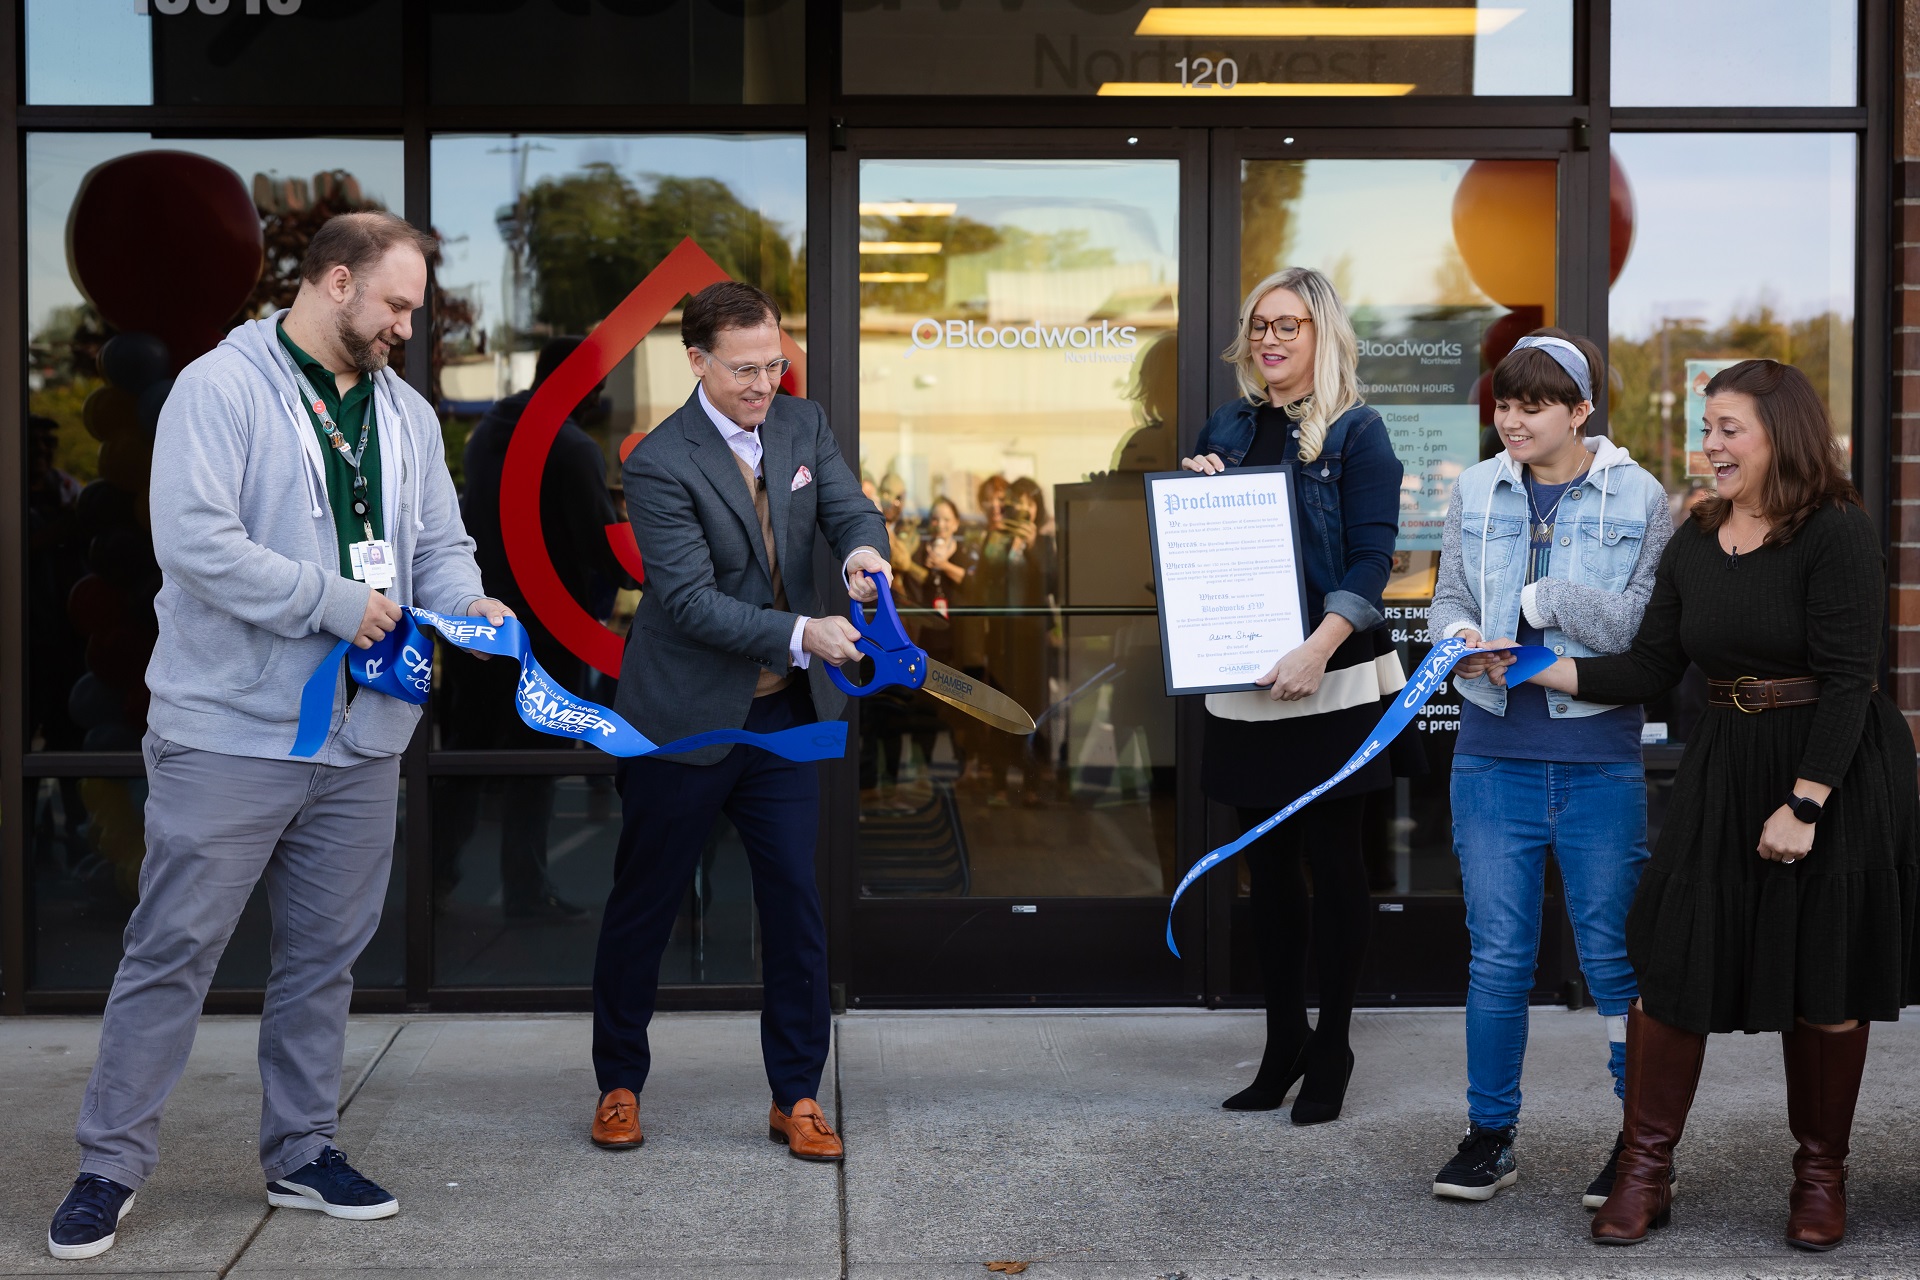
(1278, 1071)
(1325, 1089)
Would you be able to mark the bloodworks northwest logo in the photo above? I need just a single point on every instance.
(686, 270)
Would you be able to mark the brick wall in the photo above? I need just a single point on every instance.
(1905, 604)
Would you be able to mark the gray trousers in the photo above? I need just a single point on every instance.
(322, 837)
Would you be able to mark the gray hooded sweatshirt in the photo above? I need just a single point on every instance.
(253, 597)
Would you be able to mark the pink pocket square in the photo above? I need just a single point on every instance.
(801, 479)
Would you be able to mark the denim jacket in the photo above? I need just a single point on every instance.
(1349, 506)
(1609, 532)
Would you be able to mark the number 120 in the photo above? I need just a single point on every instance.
(1206, 72)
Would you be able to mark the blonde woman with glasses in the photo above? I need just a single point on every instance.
(1294, 357)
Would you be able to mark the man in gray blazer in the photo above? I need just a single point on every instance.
(725, 498)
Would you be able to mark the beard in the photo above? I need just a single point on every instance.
(360, 347)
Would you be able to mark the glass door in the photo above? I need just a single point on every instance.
(1444, 260)
(1019, 319)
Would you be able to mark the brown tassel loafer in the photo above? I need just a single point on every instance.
(616, 1121)
(805, 1131)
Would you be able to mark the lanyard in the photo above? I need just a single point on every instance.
(362, 507)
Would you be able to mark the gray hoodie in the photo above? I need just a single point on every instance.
(253, 597)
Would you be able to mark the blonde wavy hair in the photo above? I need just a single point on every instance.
(1336, 354)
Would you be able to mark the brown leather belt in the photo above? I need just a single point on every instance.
(1753, 695)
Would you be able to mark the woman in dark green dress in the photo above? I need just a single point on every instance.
(1781, 894)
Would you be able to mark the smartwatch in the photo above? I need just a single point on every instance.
(1808, 811)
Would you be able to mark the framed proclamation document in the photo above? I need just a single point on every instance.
(1227, 575)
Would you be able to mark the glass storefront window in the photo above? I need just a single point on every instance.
(1017, 375)
(618, 51)
(1742, 247)
(1736, 53)
(176, 53)
(87, 839)
(1444, 265)
(522, 865)
(110, 261)
(1196, 50)
(544, 238)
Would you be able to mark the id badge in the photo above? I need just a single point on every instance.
(373, 563)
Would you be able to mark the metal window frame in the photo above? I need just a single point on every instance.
(824, 118)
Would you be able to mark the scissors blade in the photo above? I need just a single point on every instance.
(980, 701)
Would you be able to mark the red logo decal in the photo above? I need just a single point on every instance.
(684, 271)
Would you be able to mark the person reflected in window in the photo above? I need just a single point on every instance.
(1780, 895)
(1555, 539)
(475, 699)
(1138, 702)
(945, 564)
(1153, 444)
(888, 718)
(1294, 357)
(975, 633)
(1022, 656)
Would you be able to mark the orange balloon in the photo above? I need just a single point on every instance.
(110, 412)
(1503, 223)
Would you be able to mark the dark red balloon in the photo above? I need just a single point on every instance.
(95, 604)
(166, 243)
(1619, 218)
(1498, 341)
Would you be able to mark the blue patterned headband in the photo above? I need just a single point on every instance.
(1568, 357)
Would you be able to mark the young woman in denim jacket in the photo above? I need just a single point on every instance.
(1295, 357)
(1554, 541)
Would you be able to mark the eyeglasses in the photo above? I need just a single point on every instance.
(1285, 328)
(748, 374)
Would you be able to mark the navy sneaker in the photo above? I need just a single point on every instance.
(1482, 1166)
(84, 1224)
(334, 1187)
(1602, 1186)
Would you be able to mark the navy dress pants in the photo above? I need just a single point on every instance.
(668, 810)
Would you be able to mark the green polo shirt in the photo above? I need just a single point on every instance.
(349, 412)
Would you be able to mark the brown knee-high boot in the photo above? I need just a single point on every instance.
(1823, 1083)
(1663, 1069)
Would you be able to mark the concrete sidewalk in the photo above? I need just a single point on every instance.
(1083, 1144)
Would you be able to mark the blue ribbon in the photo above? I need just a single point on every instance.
(401, 666)
(1530, 660)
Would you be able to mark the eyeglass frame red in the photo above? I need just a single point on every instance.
(1266, 324)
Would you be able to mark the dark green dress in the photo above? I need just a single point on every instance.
(1720, 938)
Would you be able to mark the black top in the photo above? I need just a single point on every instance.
(1814, 607)
(1273, 432)
(575, 508)
(1720, 938)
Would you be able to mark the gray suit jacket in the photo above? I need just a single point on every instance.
(706, 626)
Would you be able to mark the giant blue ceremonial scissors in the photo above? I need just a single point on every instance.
(897, 660)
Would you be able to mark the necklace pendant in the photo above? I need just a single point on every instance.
(1542, 531)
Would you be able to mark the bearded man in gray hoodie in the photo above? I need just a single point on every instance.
(299, 498)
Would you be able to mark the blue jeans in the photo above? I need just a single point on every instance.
(1507, 815)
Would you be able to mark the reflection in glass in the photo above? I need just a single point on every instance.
(86, 842)
(1197, 50)
(123, 53)
(1017, 374)
(1743, 246)
(618, 51)
(1444, 265)
(1736, 53)
(120, 296)
(545, 236)
(522, 866)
